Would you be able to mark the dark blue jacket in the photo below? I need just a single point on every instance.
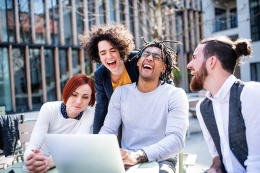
(104, 89)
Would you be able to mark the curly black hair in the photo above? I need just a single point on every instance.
(169, 56)
(117, 34)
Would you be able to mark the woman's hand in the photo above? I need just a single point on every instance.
(36, 162)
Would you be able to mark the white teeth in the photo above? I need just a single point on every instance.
(109, 62)
(148, 66)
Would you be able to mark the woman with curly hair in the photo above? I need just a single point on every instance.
(111, 45)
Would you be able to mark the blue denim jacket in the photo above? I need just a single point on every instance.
(104, 89)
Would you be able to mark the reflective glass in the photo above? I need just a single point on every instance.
(5, 86)
(21, 94)
(36, 78)
(50, 75)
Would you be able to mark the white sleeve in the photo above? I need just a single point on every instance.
(250, 98)
(40, 129)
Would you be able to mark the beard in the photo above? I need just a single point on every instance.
(198, 79)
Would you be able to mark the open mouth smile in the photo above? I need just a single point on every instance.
(146, 66)
(111, 63)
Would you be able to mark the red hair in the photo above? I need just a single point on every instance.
(74, 82)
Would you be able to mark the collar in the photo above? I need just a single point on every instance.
(224, 90)
(64, 112)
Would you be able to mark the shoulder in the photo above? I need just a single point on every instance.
(251, 90)
(173, 89)
(126, 87)
(52, 105)
(101, 74)
(174, 93)
(100, 70)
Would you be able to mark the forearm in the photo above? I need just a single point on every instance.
(166, 148)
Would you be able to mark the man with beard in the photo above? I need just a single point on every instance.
(153, 113)
(228, 116)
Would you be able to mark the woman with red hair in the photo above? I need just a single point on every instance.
(72, 115)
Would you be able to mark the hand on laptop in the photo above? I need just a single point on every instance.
(37, 162)
(131, 158)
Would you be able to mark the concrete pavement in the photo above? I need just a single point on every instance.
(197, 145)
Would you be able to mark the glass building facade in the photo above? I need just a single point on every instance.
(40, 51)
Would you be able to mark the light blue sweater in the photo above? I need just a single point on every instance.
(155, 121)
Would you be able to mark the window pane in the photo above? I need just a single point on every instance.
(75, 62)
(39, 17)
(254, 19)
(54, 21)
(64, 75)
(5, 86)
(91, 14)
(67, 23)
(233, 18)
(101, 11)
(21, 94)
(24, 21)
(221, 21)
(36, 79)
(79, 17)
(7, 26)
(255, 72)
(50, 75)
(112, 11)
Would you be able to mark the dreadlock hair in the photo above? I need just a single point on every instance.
(169, 56)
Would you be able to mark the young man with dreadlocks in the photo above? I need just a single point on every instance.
(153, 113)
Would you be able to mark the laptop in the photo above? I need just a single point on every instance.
(85, 153)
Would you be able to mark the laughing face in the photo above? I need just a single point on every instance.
(150, 64)
(109, 56)
(197, 66)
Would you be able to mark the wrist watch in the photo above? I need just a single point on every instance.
(140, 156)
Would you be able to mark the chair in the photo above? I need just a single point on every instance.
(186, 160)
(2, 110)
(6, 161)
(25, 130)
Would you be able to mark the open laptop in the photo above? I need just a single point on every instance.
(87, 153)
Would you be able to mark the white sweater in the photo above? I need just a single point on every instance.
(155, 121)
(50, 120)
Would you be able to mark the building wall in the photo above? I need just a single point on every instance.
(242, 31)
(245, 32)
(39, 48)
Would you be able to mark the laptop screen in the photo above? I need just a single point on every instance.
(85, 153)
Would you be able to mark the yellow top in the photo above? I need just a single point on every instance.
(125, 79)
